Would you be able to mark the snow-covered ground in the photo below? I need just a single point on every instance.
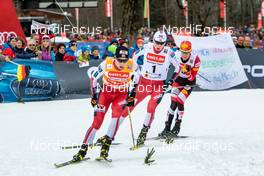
(225, 129)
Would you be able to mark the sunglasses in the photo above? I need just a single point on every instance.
(122, 60)
(185, 52)
(159, 43)
(31, 45)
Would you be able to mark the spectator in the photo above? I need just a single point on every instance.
(110, 49)
(240, 42)
(94, 53)
(124, 42)
(28, 52)
(70, 52)
(247, 42)
(31, 47)
(45, 51)
(135, 48)
(60, 52)
(4, 58)
(84, 55)
(9, 48)
(20, 46)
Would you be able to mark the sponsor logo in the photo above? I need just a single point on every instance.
(155, 58)
(118, 74)
(256, 71)
(5, 35)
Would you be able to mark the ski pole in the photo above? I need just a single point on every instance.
(12, 62)
(204, 78)
(131, 127)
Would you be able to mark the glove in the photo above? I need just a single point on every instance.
(94, 100)
(167, 84)
(185, 68)
(131, 99)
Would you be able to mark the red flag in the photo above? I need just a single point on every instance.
(108, 8)
(222, 9)
(10, 24)
(184, 2)
(259, 20)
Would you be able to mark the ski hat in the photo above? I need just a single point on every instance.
(114, 40)
(160, 37)
(140, 40)
(72, 43)
(122, 52)
(94, 48)
(85, 48)
(45, 37)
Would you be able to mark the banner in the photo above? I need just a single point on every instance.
(221, 67)
(253, 64)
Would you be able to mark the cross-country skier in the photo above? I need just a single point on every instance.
(116, 73)
(190, 64)
(156, 63)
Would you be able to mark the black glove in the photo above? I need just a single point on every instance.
(94, 98)
(167, 84)
(131, 99)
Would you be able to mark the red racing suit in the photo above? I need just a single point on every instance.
(114, 91)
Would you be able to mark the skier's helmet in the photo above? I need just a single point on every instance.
(160, 38)
(186, 46)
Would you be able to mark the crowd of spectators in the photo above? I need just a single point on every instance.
(41, 48)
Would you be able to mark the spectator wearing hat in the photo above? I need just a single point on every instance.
(45, 51)
(135, 48)
(94, 53)
(60, 52)
(111, 48)
(124, 42)
(84, 55)
(9, 48)
(70, 52)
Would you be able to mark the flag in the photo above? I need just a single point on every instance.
(146, 8)
(259, 20)
(77, 12)
(184, 2)
(108, 8)
(22, 72)
(222, 8)
(10, 25)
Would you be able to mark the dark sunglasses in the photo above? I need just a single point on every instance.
(32, 45)
(159, 43)
(122, 60)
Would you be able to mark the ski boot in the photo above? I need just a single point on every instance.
(176, 129)
(167, 128)
(142, 135)
(106, 142)
(81, 154)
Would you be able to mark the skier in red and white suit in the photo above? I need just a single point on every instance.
(116, 73)
(181, 87)
(156, 62)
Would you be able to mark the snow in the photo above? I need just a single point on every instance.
(225, 130)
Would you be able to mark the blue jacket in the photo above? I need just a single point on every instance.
(135, 49)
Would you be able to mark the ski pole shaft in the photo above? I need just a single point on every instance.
(204, 78)
(131, 127)
(12, 62)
